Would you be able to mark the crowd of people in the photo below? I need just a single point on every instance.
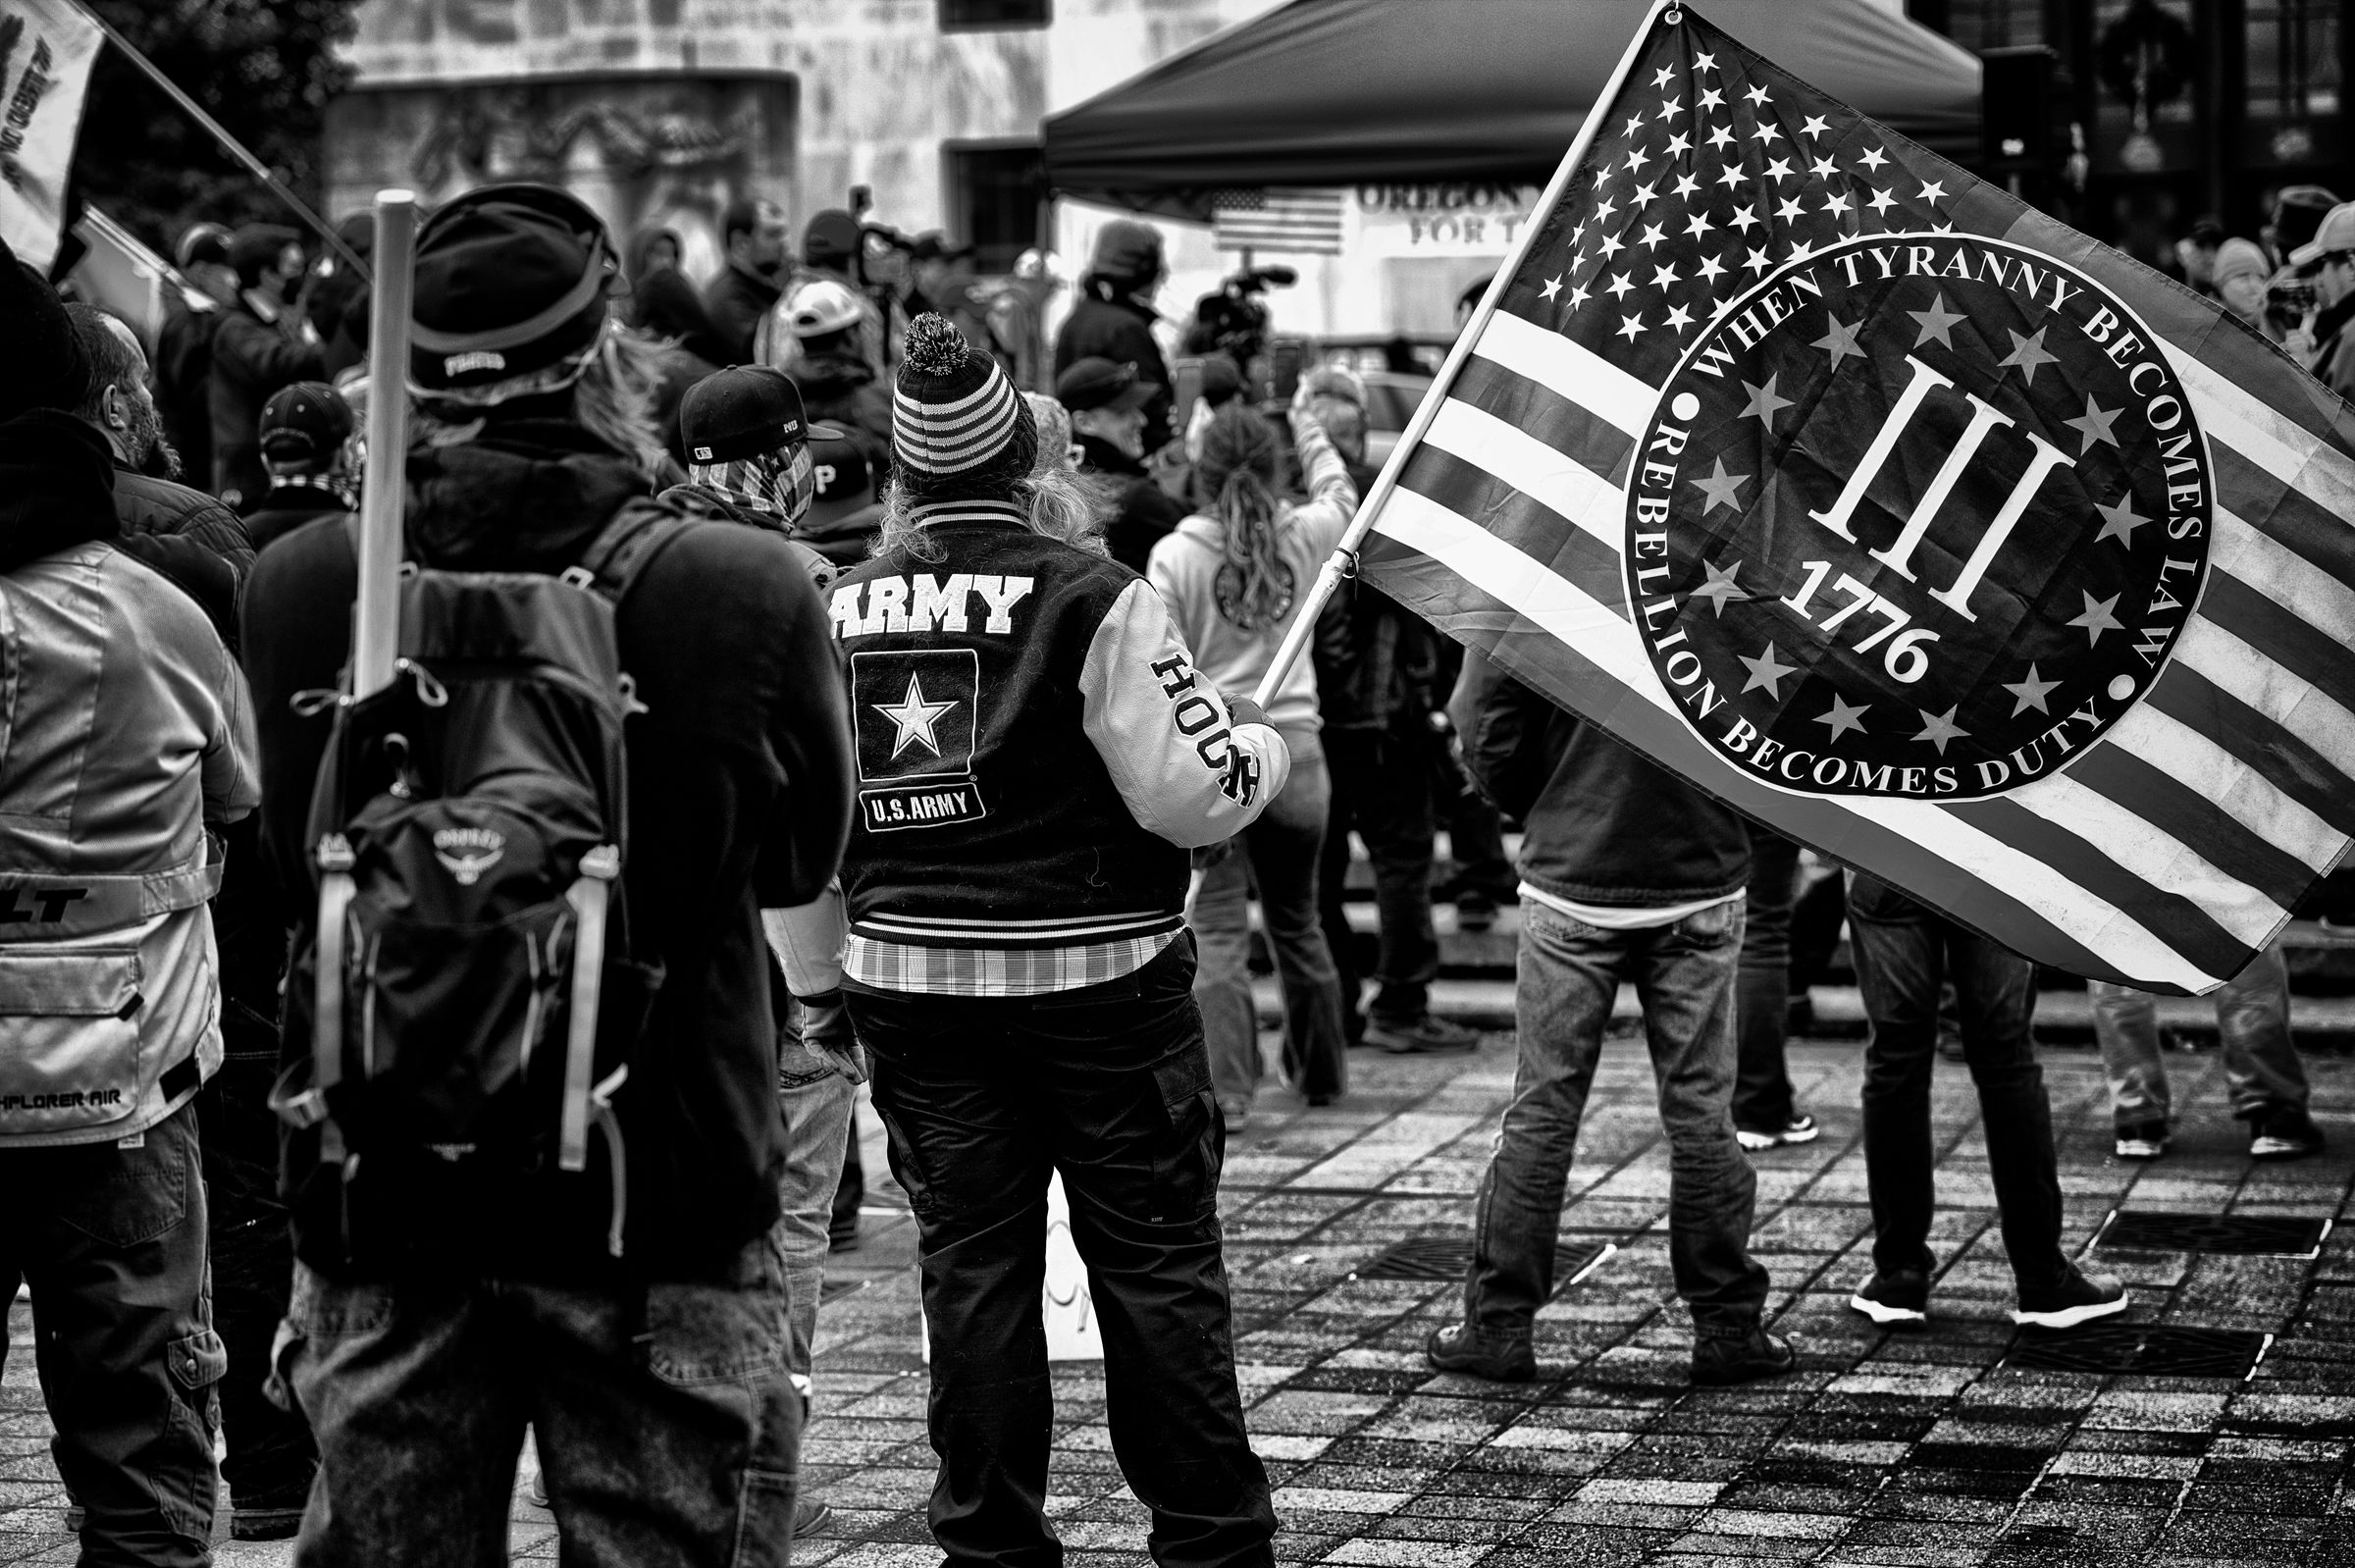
(325, 1020)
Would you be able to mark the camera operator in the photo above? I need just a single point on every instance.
(1114, 315)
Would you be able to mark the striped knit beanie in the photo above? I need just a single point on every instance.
(959, 432)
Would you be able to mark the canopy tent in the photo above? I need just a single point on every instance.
(1350, 93)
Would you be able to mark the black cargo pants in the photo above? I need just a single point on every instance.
(1110, 1085)
(112, 1241)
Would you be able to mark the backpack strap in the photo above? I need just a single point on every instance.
(625, 548)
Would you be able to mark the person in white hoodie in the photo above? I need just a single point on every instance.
(1235, 576)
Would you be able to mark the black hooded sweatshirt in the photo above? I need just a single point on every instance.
(738, 799)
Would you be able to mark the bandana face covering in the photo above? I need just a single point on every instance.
(779, 484)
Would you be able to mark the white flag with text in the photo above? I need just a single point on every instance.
(46, 49)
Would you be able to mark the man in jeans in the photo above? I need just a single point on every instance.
(1627, 874)
(2268, 1080)
(1903, 952)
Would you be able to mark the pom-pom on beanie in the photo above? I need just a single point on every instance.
(959, 430)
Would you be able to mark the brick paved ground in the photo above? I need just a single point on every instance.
(1885, 1450)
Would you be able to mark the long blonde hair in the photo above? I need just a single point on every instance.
(613, 385)
(1056, 502)
(1254, 588)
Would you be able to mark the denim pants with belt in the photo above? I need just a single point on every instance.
(1569, 973)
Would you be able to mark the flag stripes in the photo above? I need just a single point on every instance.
(1539, 486)
(1293, 221)
(1427, 557)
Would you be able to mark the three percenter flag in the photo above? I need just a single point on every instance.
(1908, 521)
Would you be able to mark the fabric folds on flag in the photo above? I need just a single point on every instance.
(1910, 522)
(1297, 222)
(46, 49)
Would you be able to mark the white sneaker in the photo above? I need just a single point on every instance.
(1800, 1129)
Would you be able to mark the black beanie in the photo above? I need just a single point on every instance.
(42, 362)
(958, 432)
(510, 279)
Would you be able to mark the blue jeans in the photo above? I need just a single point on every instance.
(1569, 973)
(818, 1103)
(667, 1429)
(1282, 852)
(2252, 1020)
(113, 1243)
(1902, 953)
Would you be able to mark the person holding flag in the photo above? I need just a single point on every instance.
(1911, 524)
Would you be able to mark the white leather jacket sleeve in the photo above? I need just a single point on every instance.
(1186, 770)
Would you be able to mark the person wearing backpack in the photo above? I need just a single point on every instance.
(125, 738)
(1036, 756)
(566, 1220)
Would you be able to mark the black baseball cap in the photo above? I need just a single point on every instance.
(1098, 382)
(846, 481)
(259, 244)
(831, 237)
(740, 413)
(304, 423)
(933, 246)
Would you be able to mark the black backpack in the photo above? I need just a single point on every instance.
(474, 985)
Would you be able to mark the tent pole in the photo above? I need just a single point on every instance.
(1344, 562)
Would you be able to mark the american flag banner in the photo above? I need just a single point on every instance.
(1905, 519)
(1297, 222)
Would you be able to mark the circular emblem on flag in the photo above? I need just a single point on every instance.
(1919, 515)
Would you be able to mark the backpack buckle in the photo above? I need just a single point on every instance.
(602, 862)
(334, 852)
(580, 577)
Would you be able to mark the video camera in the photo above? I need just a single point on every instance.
(1235, 320)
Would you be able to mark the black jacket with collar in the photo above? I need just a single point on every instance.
(146, 505)
(1142, 511)
(735, 301)
(1602, 824)
(251, 359)
(1120, 330)
(738, 799)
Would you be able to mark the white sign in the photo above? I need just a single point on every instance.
(46, 47)
(1444, 220)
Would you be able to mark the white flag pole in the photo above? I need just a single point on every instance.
(1344, 561)
(376, 616)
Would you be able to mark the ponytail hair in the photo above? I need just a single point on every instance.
(1237, 470)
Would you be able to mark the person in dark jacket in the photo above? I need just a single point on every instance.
(1036, 756)
(1628, 874)
(664, 304)
(1107, 404)
(121, 408)
(183, 348)
(748, 452)
(753, 234)
(656, 1386)
(258, 348)
(1113, 316)
(827, 322)
(306, 445)
(844, 514)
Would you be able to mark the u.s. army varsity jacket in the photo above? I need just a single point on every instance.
(1036, 754)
